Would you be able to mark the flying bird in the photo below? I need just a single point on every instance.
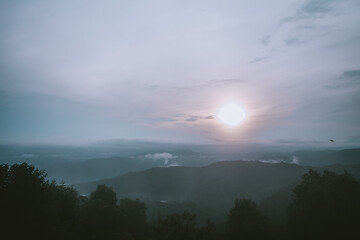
(331, 140)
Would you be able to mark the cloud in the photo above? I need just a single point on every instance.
(166, 157)
(210, 84)
(259, 59)
(352, 74)
(292, 160)
(311, 9)
(171, 165)
(291, 41)
(313, 20)
(127, 69)
(317, 6)
(197, 118)
(266, 39)
(295, 141)
(193, 118)
(348, 79)
(182, 118)
(287, 19)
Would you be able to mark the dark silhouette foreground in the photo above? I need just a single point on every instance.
(323, 206)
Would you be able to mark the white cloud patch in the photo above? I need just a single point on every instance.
(166, 157)
(271, 160)
(293, 160)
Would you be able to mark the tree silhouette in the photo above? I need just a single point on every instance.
(325, 207)
(176, 227)
(103, 197)
(32, 207)
(245, 221)
(133, 214)
(100, 217)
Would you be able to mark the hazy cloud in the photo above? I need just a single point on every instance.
(353, 75)
(292, 160)
(291, 41)
(126, 69)
(186, 118)
(294, 141)
(166, 157)
(160, 156)
(259, 59)
(266, 39)
(348, 79)
(210, 84)
(193, 118)
(311, 9)
(317, 6)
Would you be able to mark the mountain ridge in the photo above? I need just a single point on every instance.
(228, 179)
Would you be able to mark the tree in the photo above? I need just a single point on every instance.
(103, 218)
(31, 203)
(100, 218)
(325, 207)
(245, 221)
(32, 207)
(176, 227)
(208, 232)
(133, 214)
(103, 196)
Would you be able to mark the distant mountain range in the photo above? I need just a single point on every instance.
(89, 163)
(211, 187)
(99, 168)
(328, 157)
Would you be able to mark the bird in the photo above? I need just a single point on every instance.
(331, 140)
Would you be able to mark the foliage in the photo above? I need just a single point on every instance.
(325, 206)
(31, 203)
(176, 227)
(43, 209)
(103, 197)
(245, 221)
(133, 213)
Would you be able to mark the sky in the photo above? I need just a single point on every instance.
(80, 71)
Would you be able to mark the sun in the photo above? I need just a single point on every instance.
(231, 114)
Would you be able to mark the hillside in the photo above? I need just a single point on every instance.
(210, 191)
(90, 163)
(328, 157)
(213, 186)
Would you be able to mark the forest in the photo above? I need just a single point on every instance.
(323, 206)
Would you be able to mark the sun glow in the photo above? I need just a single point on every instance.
(231, 114)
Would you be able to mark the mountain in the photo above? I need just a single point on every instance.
(328, 157)
(93, 169)
(231, 179)
(213, 187)
(99, 168)
(76, 164)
